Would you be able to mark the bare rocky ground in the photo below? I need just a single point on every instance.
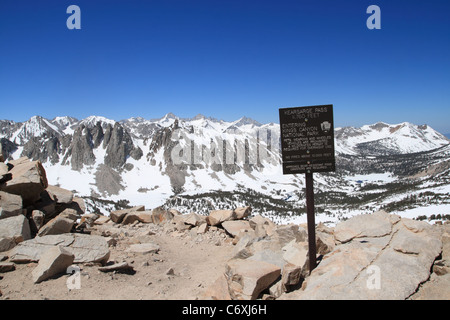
(181, 269)
(186, 265)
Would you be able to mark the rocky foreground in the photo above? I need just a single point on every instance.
(50, 248)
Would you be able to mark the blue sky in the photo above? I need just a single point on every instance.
(226, 59)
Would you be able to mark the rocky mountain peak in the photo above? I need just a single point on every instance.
(246, 121)
(379, 126)
(119, 146)
(92, 121)
(170, 115)
(64, 123)
(199, 117)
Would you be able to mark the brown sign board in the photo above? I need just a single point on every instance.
(307, 139)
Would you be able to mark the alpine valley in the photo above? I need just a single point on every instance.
(202, 163)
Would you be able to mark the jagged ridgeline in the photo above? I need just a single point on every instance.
(202, 162)
(76, 148)
(106, 149)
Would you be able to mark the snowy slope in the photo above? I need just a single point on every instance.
(397, 138)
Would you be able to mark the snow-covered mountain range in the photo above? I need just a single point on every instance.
(183, 161)
(382, 138)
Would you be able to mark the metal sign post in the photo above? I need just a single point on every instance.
(307, 146)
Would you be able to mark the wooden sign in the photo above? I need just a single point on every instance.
(307, 139)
